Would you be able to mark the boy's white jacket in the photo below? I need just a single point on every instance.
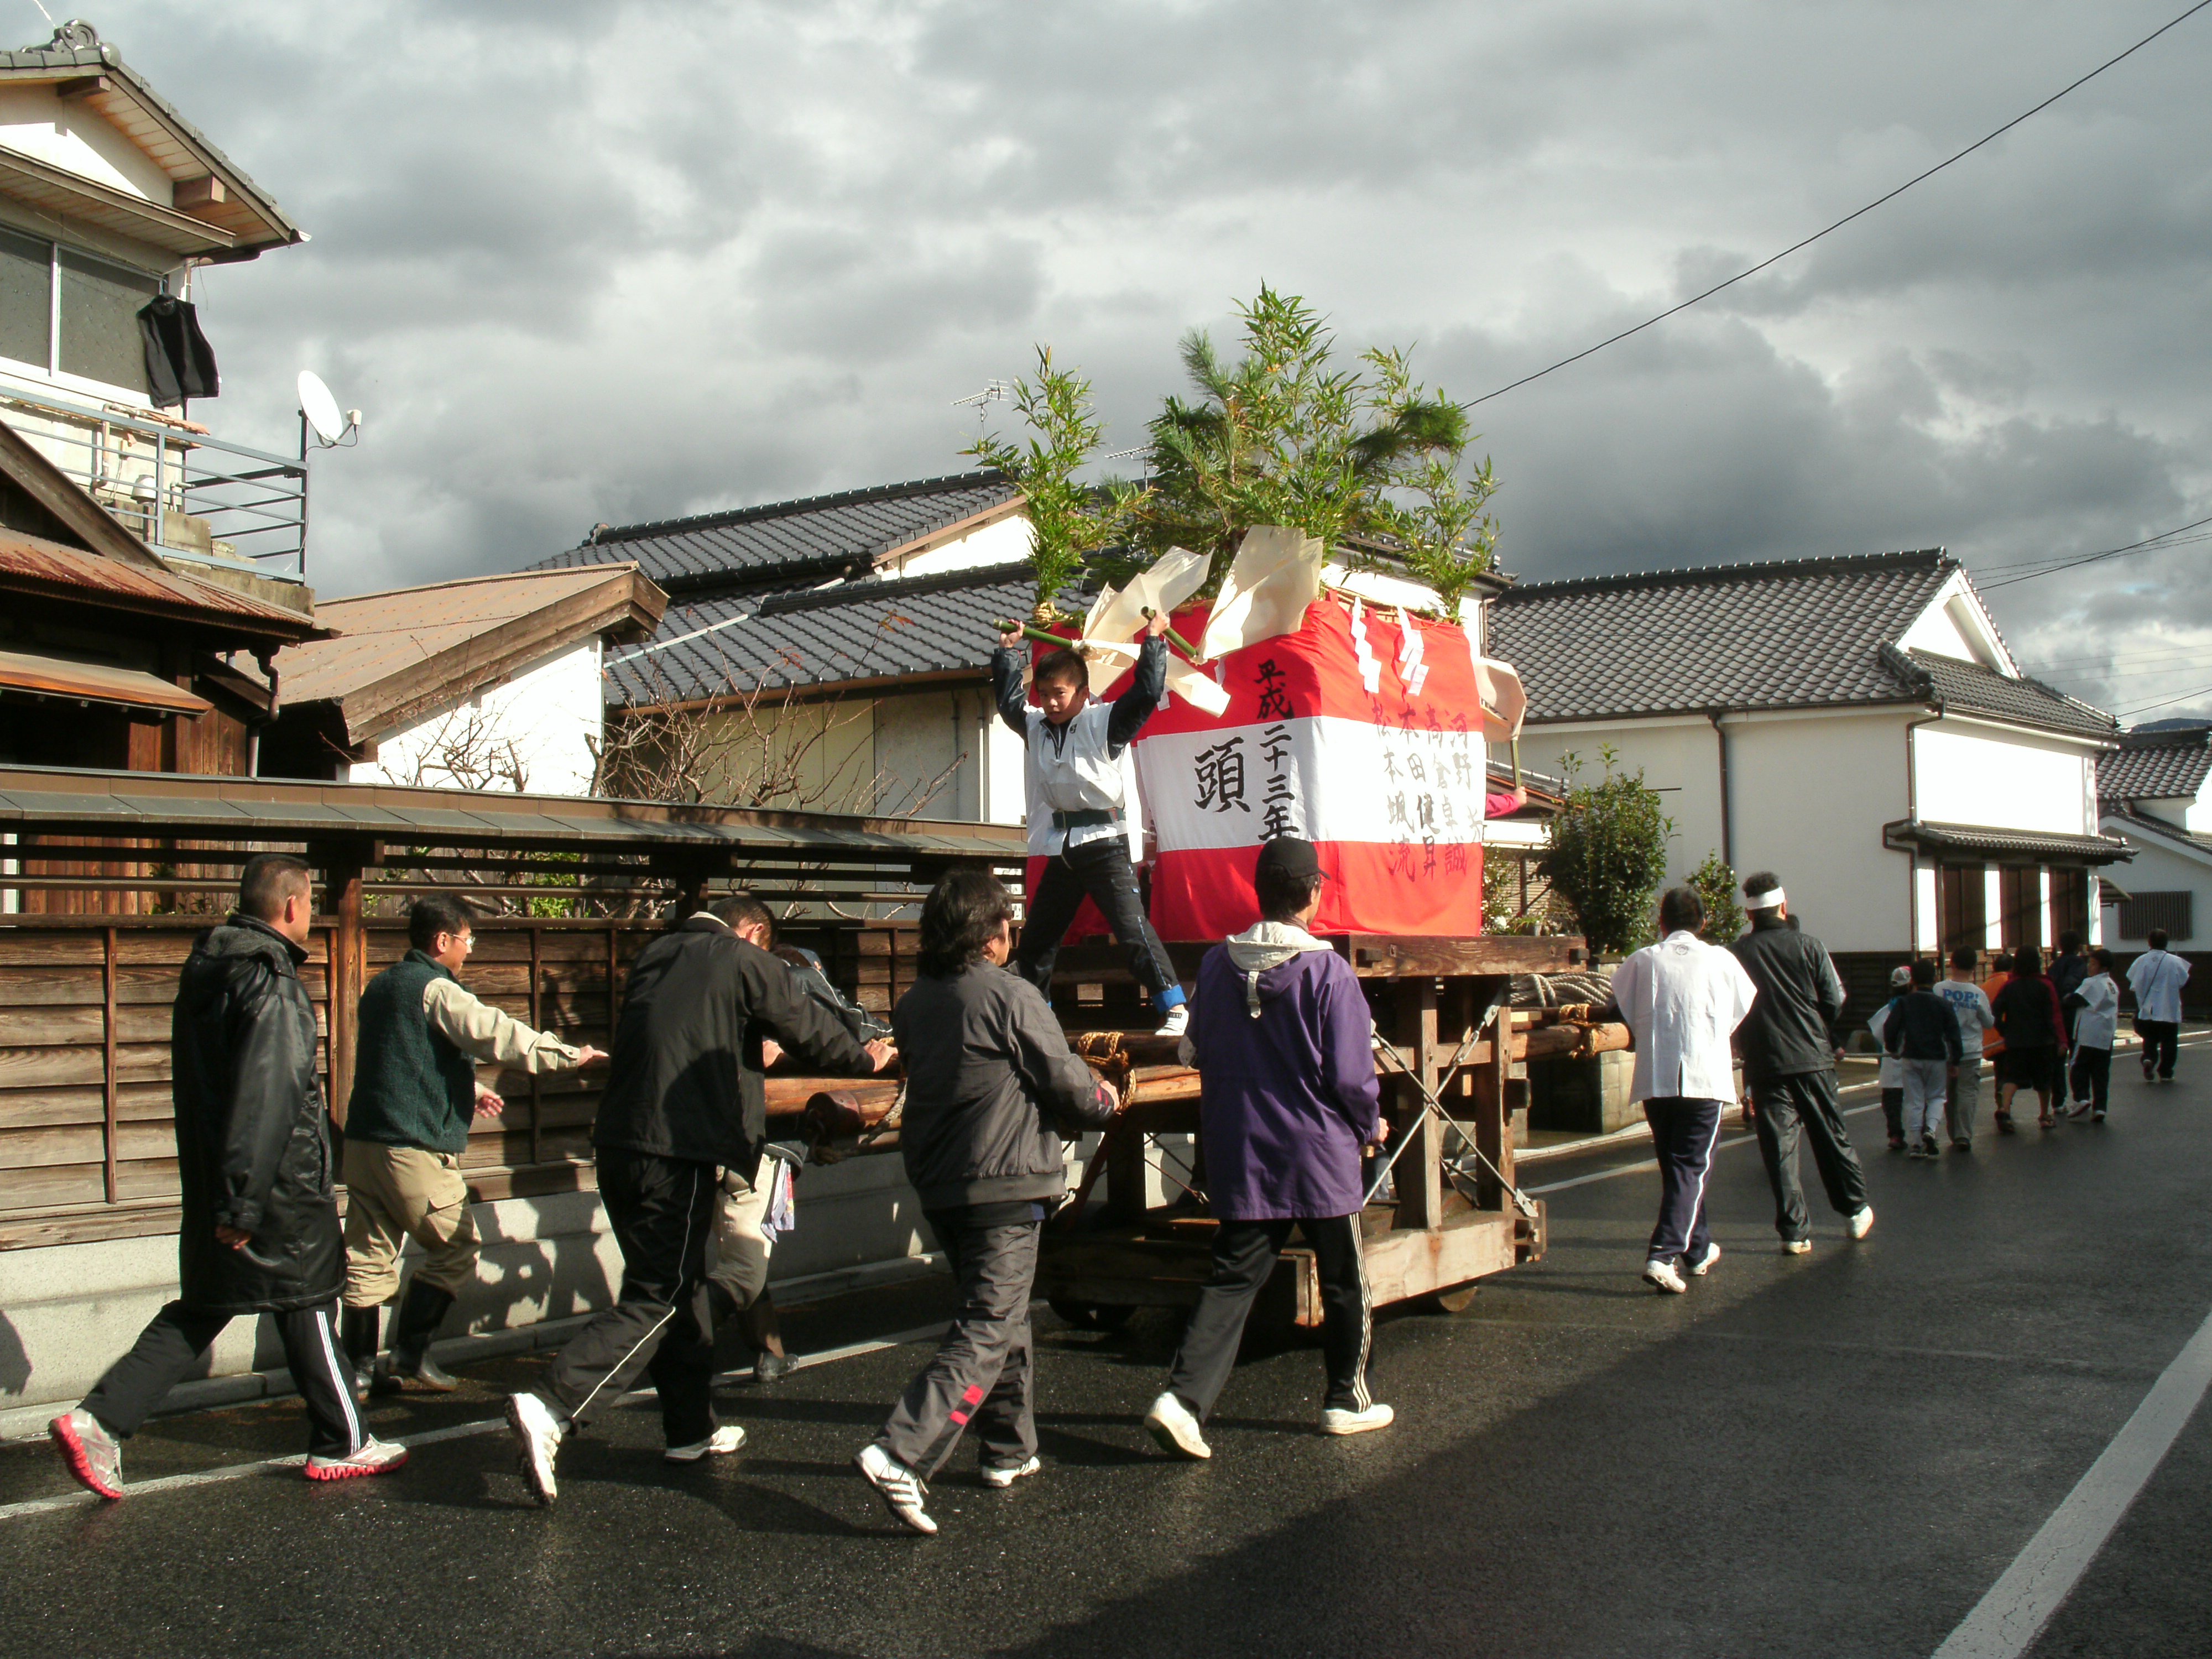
(2100, 1018)
(1682, 997)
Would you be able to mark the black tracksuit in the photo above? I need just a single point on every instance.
(1789, 1063)
(253, 1153)
(683, 1095)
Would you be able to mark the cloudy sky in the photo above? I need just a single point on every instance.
(582, 260)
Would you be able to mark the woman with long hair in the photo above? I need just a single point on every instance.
(991, 1085)
(2034, 1030)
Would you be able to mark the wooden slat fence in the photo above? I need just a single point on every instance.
(86, 1148)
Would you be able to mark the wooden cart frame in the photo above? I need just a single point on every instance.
(1449, 1221)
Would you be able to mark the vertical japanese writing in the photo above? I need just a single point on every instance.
(1219, 774)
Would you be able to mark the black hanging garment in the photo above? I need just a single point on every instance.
(180, 362)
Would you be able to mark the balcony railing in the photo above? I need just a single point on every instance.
(184, 491)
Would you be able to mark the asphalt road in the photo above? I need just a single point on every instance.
(1829, 1454)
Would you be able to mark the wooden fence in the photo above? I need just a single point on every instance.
(87, 1146)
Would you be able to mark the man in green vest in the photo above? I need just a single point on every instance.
(415, 1090)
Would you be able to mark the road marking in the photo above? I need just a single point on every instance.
(2012, 1615)
(428, 1436)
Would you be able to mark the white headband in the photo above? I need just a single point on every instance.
(1772, 899)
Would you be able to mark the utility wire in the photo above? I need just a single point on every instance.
(1808, 242)
(2186, 696)
(2157, 544)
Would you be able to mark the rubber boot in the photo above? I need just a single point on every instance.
(357, 1334)
(421, 1313)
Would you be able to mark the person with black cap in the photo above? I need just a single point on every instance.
(1284, 1045)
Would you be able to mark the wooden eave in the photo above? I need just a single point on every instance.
(946, 534)
(238, 226)
(626, 605)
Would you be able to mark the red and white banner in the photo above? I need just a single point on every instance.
(1350, 733)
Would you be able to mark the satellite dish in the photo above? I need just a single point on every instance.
(320, 408)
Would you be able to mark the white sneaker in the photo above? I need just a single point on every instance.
(537, 1438)
(375, 1457)
(1170, 1423)
(899, 1487)
(1176, 1022)
(1800, 1246)
(721, 1443)
(1003, 1478)
(1337, 1420)
(1703, 1264)
(1664, 1277)
(1862, 1224)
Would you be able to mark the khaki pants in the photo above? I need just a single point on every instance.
(740, 1260)
(394, 1193)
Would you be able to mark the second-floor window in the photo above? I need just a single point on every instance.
(66, 312)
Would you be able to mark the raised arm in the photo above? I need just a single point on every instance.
(477, 1028)
(1135, 705)
(1006, 689)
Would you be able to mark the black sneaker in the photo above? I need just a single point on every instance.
(1928, 1146)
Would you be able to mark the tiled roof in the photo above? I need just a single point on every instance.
(2136, 823)
(1796, 634)
(1996, 840)
(1800, 634)
(868, 629)
(825, 533)
(1969, 688)
(2155, 765)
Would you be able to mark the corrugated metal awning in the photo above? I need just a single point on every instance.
(95, 682)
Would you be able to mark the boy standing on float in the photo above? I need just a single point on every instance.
(1073, 746)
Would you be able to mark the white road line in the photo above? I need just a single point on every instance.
(430, 1437)
(2013, 1614)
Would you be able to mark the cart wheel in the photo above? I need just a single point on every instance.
(1458, 1299)
(1091, 1315)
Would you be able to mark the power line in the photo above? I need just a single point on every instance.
(2186, 696)
(2157, 544)
(1809, 241)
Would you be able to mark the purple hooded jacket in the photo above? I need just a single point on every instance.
(1289, 1097)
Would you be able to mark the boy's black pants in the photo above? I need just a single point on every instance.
(1100, 871)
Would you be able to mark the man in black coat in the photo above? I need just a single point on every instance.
(683, 1097)
(259, 1228)
(1788, 1048)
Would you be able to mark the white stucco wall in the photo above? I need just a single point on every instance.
(1809, 797)
(1002, 543)
(78, 139)
(545, 713)
(1970, 773)
(2158, 868)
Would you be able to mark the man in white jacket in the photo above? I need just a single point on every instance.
(1682, 1000)
(2156, 977)
(2094, 1007)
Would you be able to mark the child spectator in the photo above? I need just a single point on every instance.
(2095, 1007)
(1891, 1069)
(1976, 1024)
(1924, 1033)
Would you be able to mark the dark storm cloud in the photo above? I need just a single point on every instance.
(584, 261)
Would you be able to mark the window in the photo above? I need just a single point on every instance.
(100, 301)
(26, 275)
(2145, 911)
